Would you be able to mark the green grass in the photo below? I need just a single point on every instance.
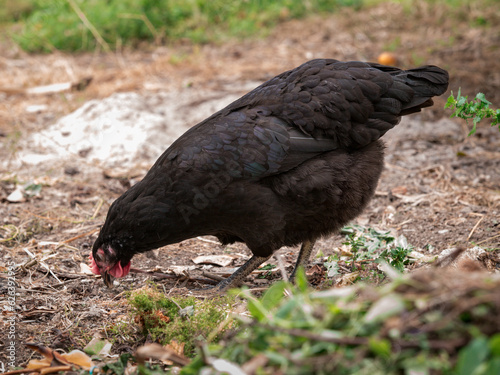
(86, 25)
(47, 25)
(183, 319)
(364, 330)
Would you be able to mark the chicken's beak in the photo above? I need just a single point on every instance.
(108, 279)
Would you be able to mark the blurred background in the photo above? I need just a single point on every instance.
(128, 45)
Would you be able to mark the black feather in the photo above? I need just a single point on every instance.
(292, 160)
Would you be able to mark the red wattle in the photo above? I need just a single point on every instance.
(119, 271)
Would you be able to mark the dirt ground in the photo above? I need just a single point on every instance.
(440, 188)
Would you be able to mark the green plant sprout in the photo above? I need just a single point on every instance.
(477, 109)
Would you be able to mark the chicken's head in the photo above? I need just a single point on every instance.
(104, 261)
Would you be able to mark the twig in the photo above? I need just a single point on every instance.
(97, 208)
(213, 276)
(466, 306)
(29, 263)
(53, 219)
(34, 261)
(89, 26)
(318, 336)
(207, 240)
(55, 285)
(4, 227)
(69, 247)
(22, 371)
(475, 226)
(488, 239)
(433, 344)
(37, 311)
(146, 21)
(50, 271)
(175, 303)
(36, 291)
(44, 265)
(77, 237)
(167, 276)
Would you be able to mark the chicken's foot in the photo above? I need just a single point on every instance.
(303, 258)
(236, 278)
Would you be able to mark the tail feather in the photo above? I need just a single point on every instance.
(426, 82)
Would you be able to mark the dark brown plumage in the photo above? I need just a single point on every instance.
(291, 161)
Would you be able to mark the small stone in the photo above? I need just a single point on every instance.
(16, 196)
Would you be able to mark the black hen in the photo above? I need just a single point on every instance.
(291, 161)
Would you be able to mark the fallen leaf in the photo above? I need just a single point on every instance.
(79, 358)
(218, 260)
(85, 269)
(384, 308)
(161, 316)
(79, 85)
(99, 347)
(36, 364)
(17, 196)
(123, 174)
(36, 108)
(179, 270)
(314, 270)
(187, 311)
(53, 369)
(348, 279)
(175, 347)
(162, 353)
(55, 362)
(225, 366)
(344, 250)
(401, 190)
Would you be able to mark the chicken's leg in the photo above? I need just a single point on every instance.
(303, 258)
(237, 277)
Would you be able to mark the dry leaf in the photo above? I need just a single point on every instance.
(401, 190)
(161, 316)
(179, 270)
(348, 278)
(53, 369)
(123, 174)
(17, 196)
(218, 260)
(79, 358)
(36, 364)
(384, 308)
(55, 362)
(177, 348)
(99, 347)
(162, 353)
(225, 366)
(314, 270)
(85, 269)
